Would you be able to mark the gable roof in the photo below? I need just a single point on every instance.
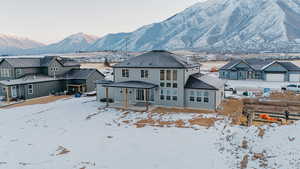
(260, 64)
(39, 62)
(81, 74)
(290, 66)
(200, 81)
(156, 59)
(23, 62)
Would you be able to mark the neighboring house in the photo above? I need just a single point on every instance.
(161, 78)
(26, 78)
(259, 69)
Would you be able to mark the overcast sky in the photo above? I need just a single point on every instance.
(48, 21)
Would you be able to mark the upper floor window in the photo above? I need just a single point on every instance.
(125, 73)
(54, 68)
(162, 74)
(175, 75)
(4, 72)
(168, 74)
(18, 71)
(144, 74)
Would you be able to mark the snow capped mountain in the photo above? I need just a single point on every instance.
(73, 43)
(9, 43)
(218, 25)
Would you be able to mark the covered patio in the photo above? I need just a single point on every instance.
(139, 94)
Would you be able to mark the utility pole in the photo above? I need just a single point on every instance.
(126, 46)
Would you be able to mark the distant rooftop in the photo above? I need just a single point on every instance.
(156, 59)
(38, 62)
(260, 64)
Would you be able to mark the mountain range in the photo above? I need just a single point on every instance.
(214, 26)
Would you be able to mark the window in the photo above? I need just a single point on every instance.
(125, 73)
(162, 74)
(169, 84)
(162, 95)
(144, 73)
(162, 84)
(206, 99)
(175, 85)
(18, 72)
(175, 95)
(168, 95)
(168, 74)
(175, 75)
(30, 89)
(192, 96)
(199, 96)
(5, 72)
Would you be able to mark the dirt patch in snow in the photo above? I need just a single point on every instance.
(206, 122)
(232, 108)
(244, 162)
(291, 96)
(261, 132)
(62, 151)
(162, 110)
(159, 123)
(42, 100)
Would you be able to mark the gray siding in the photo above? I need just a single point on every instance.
(61, 70)
(91, 81)
(44, 89)
(211, 105)
(25, 71)
(6, 65)
(154, 77)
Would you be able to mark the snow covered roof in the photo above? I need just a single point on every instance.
(156, 59)
(200, 81)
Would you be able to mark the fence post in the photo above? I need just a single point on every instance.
(250, 118)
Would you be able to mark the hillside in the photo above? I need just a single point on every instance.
(9, 44)
(218, 25)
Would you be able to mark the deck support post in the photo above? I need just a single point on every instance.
(146, 99)
(250, 118)
(126, 98)
(106, 96)
(7, 94)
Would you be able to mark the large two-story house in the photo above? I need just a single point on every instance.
(161, 78)
(26, 78)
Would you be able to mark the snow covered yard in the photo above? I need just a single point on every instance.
(74, 133)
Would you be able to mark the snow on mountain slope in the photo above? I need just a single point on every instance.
(73, 43)
(224, 25)
(9, 43)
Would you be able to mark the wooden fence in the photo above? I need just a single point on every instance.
(271, 111)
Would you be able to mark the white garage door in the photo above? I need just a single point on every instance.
(295, 77)
(275, 77)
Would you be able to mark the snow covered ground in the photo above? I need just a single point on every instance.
(75, 134)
